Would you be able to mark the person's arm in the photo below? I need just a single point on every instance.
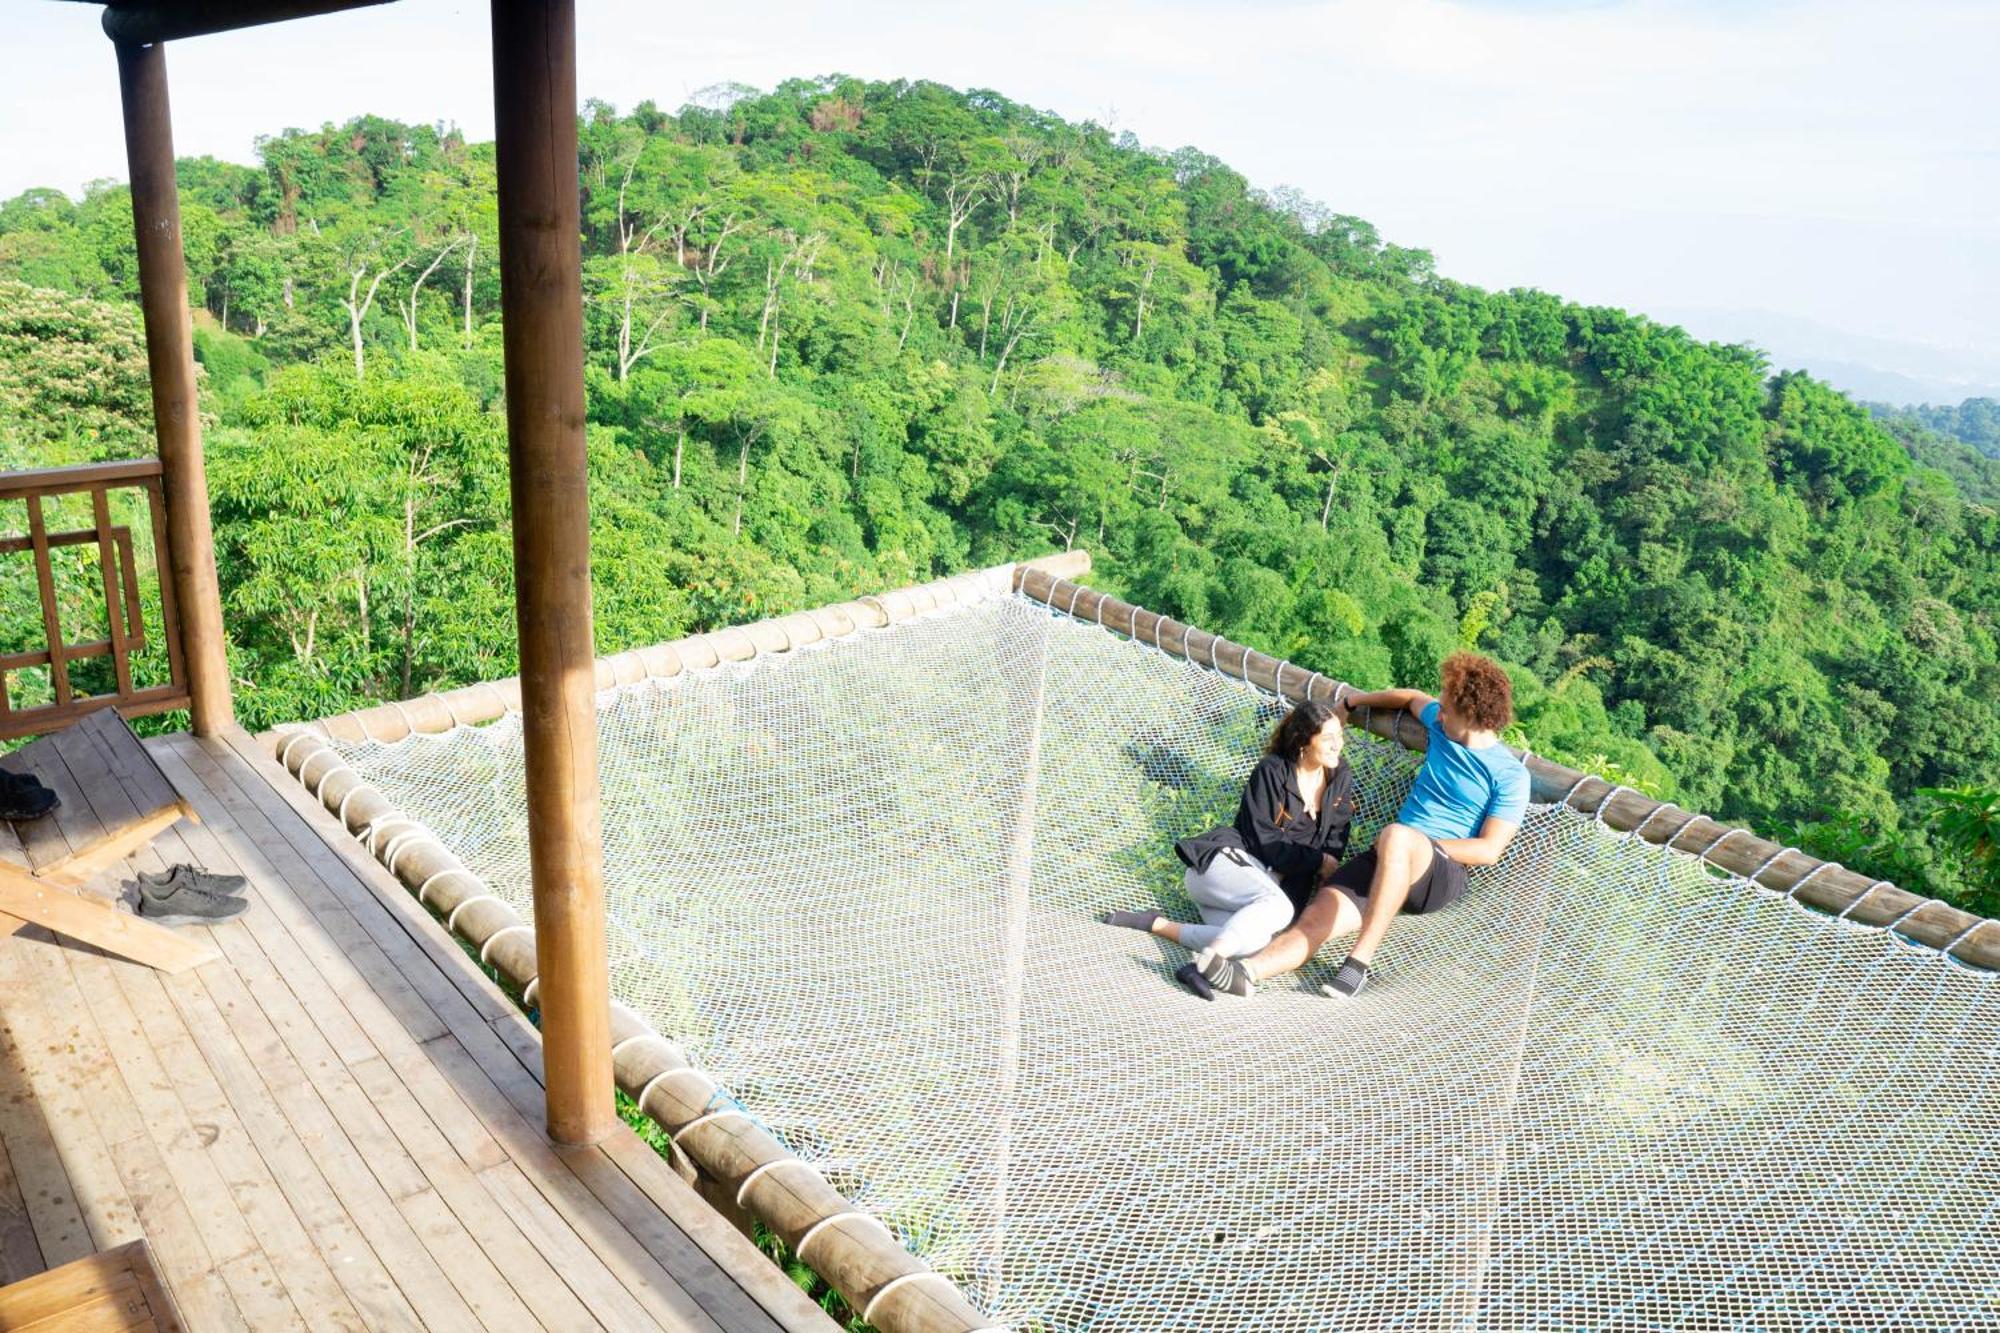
(1503, 820)
(1484, 850)
(1416, 701)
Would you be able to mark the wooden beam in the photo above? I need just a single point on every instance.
(140, 24)
(80, 477)
(156, 224)
(95, 921)
(80, 867)
(541, 298)
(115, 1289)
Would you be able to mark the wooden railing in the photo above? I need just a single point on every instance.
(118, 575)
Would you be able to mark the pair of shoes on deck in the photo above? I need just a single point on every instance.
(188, 896)
(23, 797)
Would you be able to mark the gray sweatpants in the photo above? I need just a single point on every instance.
(1241, 905)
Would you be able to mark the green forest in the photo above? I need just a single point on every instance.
(850, 335)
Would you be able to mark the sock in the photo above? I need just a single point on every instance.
(1190, 976)
(1225, 974)
(1131, 920)
(1347, 982)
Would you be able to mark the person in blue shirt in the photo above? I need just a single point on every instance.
(1465, 807)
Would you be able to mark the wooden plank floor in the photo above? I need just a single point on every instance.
(338, 1124)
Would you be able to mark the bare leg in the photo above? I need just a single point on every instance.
(1401, 853)
(1404, 855)
(1331, 912)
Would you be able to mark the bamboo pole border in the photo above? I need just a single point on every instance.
(472, 705)
(1824, 885)
(893, 1289)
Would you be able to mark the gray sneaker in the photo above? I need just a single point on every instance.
(193, 877)
(181, 904)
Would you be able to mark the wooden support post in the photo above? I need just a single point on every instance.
(189, 559)
(541, 297)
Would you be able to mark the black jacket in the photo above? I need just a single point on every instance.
(1273, 825)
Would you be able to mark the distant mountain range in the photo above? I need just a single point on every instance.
(1872, 369)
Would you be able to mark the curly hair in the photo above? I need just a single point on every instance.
(1292, 735)
(1477, 689)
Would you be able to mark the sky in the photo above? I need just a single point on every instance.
(1821, 176)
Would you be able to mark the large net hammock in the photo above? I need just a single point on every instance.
(1612, 1088)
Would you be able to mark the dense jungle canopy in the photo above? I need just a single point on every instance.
(848, 335)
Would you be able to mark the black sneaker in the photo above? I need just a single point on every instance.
(23, 797)
(181, 904)
(1190, 976)
(194, 877)
(1224, 974)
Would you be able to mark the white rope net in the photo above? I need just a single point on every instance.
(1612, 1088)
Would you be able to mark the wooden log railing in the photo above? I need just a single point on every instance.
(118, 583)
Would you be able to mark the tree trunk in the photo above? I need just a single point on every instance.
(742, 482)
(358, 307)
(625, 331)
(354, 328)
(680, 443)
(471, 249)
(770, 290)
(416, 290)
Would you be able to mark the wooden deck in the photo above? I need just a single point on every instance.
(338, 1124)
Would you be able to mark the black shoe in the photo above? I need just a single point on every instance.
(1224, 974)
(181, 904)
(194, 877)
(22, 796)
(1190, 976)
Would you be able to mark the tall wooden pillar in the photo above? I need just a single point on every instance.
(541, 296)
(156, 223)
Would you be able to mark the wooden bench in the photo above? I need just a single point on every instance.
(116, 1289)
(42, 875)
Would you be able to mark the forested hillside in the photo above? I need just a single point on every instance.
(847, 335)
(1975, 422)
(1963, 442)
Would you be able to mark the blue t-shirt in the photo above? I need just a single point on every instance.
(1459, 788)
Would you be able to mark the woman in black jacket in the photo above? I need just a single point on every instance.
(1251, 877)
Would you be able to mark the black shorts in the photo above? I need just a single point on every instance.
(1441, 884)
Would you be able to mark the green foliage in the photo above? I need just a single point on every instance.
(849, 334)
(1976, 422)
(73, 386)
(1961, 442)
